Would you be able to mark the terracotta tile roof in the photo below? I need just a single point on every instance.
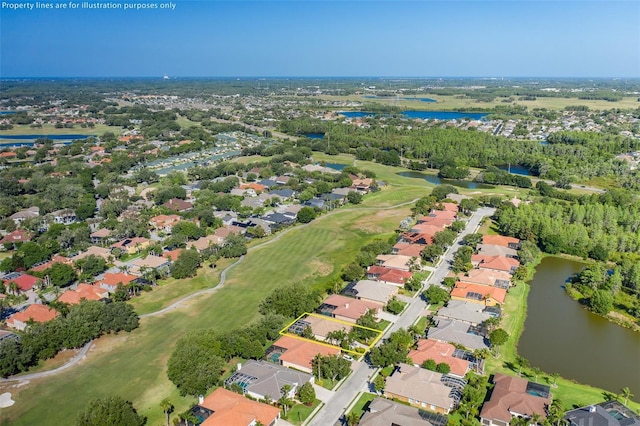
(484, 276)
(25, 282)
(439, 352)
(301, 352)
(172, 255)
(255, 186)
(499, 240)
(462, 290)
(38, 313)
(349, 307)
(55, 259)
(510, 395)
(395, 276)
(178, 204)
(19, 235)
(408, 249)
(84, 291)
(500, 263)
(112, 279)
(232, 409)
(101, 233)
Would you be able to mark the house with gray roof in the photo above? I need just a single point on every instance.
(385, 412)
(471, 313)
(608, 413)
(284, 193)
(260, 379)
(373, 291)
(457, 332)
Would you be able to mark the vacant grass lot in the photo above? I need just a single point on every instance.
(134, 365)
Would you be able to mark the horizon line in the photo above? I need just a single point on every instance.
(494, 78)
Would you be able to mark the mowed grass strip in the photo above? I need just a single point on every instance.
(134, 365)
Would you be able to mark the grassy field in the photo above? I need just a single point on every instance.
(134, 365)
(454, 102)
(299, 413)
(49, 129)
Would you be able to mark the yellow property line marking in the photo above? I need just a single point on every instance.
(284, 332)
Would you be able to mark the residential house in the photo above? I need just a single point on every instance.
(284, 194)
(111, 280)
(156, 263)
(346, 308)
(94, 251)
(268, 183)
(497, 263)
(43, 266)
(204, 243)
(458, 333)
(278, 220)
(490, 277)
(283, 180)
(478, 293)
(17, 236)
(387, 275)
(172, 255)
(496, 250)
(100, 236)
(262, 379)
(298, 353)
(514, 397)
(35, 313)
(64, 216)
(500, 240)
(420, 388)
(408, 249)
(83, 292)
(362, 185)
(440, 352)
(22, 215)
(472, 313)
(320, 326)
(226, 408)
(372, 291)
(608, 413)
(164, 222)
(131, 245)
(25, 282)
(178, 205)
(382, 411)
(394, 261)
(253, 188)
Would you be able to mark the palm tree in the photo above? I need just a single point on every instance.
(522, 363)
(14, 288)
(555, 411)
(352, 419)
(555, 379)
(536, 372)
(285, 401)
(626, 394)
(167, 408)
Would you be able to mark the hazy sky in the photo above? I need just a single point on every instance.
(579, 38)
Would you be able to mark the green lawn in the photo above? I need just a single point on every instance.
(362, 404)
(299, 413)
(134, 365)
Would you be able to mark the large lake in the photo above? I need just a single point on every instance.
(438, 181)
(560, 336)
(424, 115)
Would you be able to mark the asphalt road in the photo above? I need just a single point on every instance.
(332, 412)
